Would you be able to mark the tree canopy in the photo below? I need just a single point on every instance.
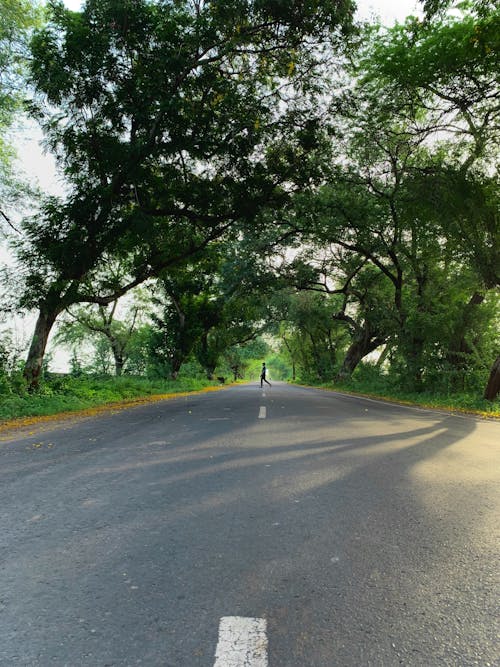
(270, 166)
(168, 121)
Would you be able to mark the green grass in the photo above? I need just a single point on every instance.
(64, 393)
(461, 402)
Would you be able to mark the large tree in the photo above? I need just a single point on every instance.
(412, 192)
(448, 68)
(163, 117)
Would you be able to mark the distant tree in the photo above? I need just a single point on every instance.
(206, 311)
(239, 357)
(108, 333)
(238, 322)
(310, 335)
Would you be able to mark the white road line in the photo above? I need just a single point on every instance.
(262, 412)
(242, 642)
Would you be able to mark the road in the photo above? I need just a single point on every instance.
(327, 530)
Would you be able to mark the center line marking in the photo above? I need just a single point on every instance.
(262, 412)
(242, 642)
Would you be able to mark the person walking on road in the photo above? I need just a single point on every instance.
(263, 376)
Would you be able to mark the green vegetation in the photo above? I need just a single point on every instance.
(67, 394)
(17, 19)
(250, 180)
(374, 385)
(169, 122)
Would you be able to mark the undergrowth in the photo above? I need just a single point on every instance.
(65, 393)
(461, 402)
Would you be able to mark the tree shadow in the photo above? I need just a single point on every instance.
(316, 529)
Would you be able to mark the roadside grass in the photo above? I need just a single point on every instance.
(470, 403)
(62, 394)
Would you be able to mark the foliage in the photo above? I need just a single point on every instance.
(310, 339)
(206, 312)
(278, 368)
(370, 382)
(17, 19)
(406, 228)
(167, 120)
(240, 360)
(11, 379)
(197, 150)
(109, 336)
(66, 393)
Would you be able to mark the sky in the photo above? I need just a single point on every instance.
(40, 167)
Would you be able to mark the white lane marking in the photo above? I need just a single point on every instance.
(242, 642)
(262, 412)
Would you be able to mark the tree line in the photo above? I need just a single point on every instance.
(262, 167)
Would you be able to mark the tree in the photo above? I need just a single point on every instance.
(238, 357)
(102, 325)
(163, 116)
(206, 310)
(368, 315)
(310, 335)
(17, 18)
(447, 66)
(240, 320)
(362, 303)
(493, 386)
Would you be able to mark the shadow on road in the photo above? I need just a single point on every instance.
(352, 523)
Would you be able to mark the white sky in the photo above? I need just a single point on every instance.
(40, 167)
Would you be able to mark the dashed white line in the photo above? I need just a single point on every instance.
(242, 642)
(262, 412)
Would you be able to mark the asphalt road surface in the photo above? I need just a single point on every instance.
(289, 527)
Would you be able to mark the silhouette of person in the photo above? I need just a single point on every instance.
(263, 375)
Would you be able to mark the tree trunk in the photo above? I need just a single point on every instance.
(460, 352)
(118, 356)
(34, 361)
(176, 366)
(414, 360)
(358, 349)
(493, 387)
(352, 358)
(459, 348)
(119, 363)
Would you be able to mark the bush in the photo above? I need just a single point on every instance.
(369, 379)
(5, 388)
(60, 393)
